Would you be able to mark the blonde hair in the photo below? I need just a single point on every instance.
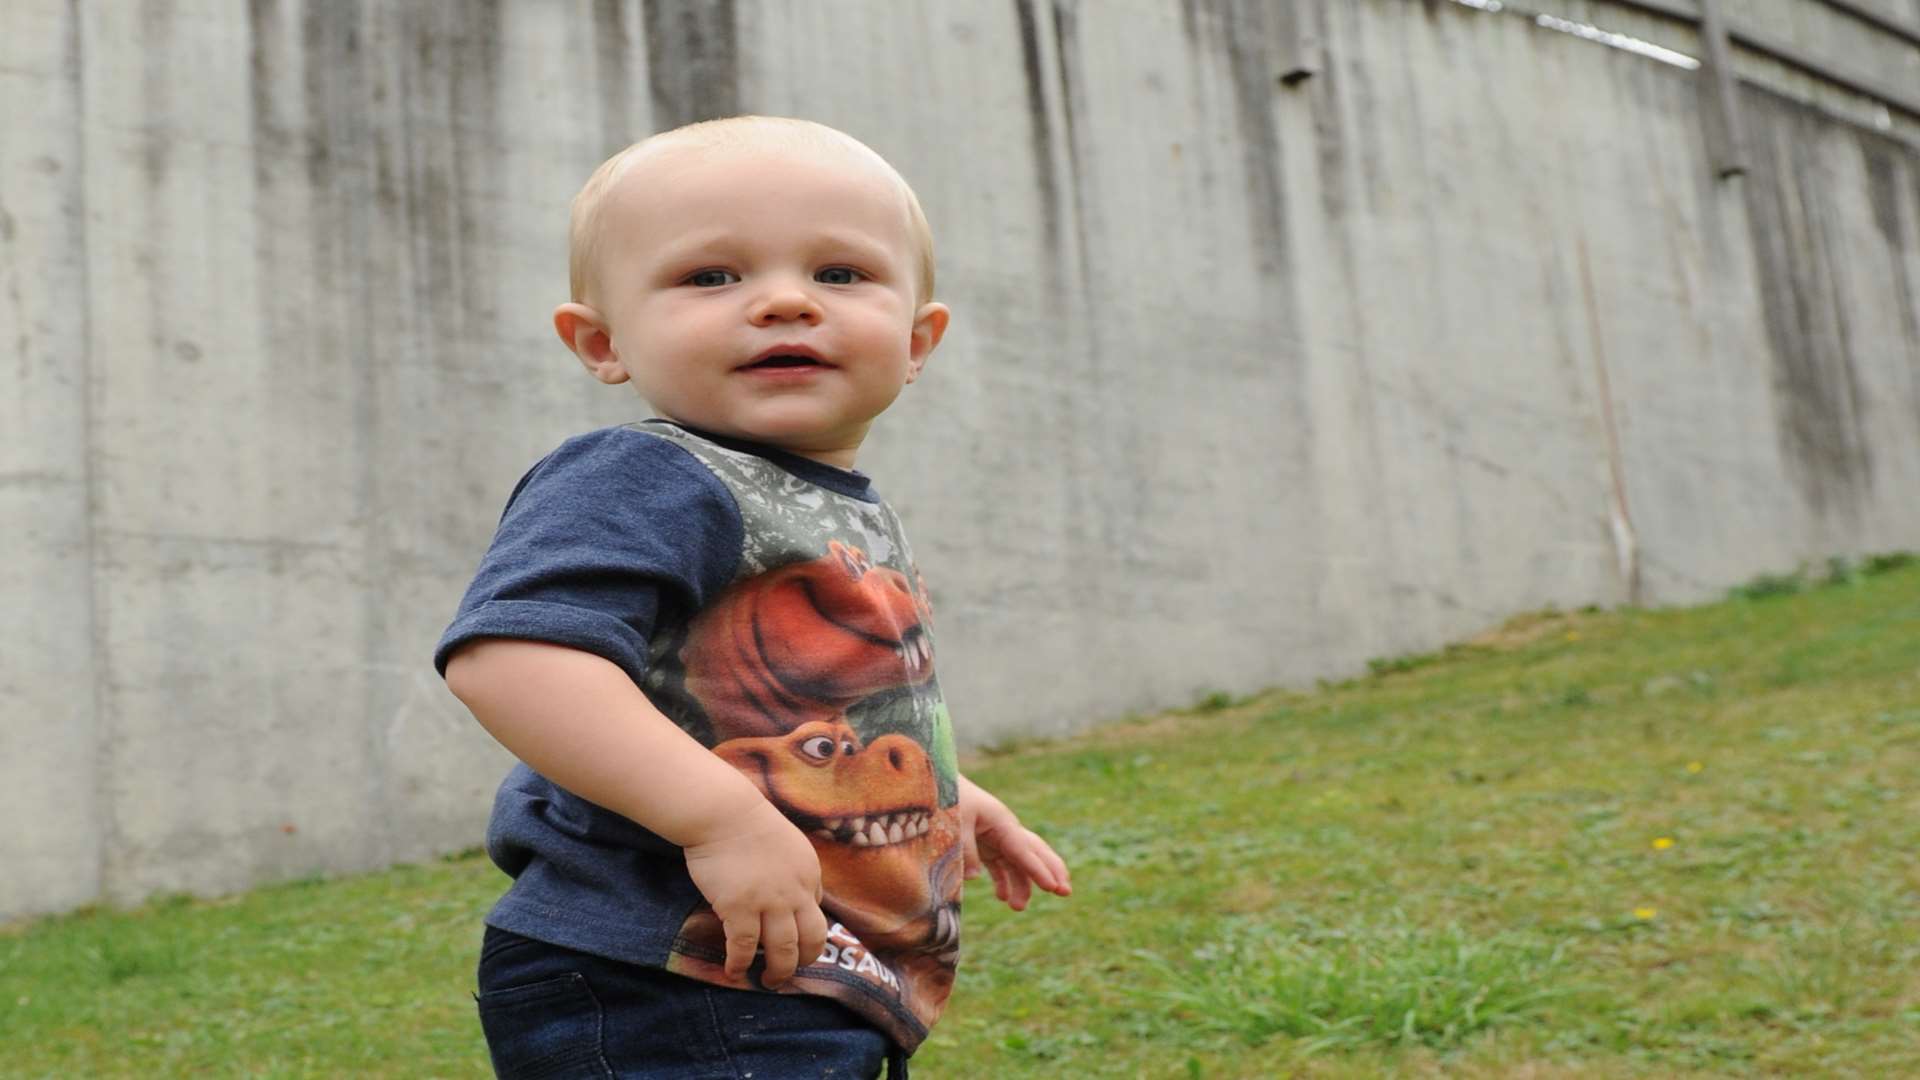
(586, 224)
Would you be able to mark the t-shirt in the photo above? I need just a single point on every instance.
(769, 605)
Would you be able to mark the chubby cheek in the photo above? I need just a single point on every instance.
(888, 339)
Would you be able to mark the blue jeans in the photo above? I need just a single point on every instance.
(555, 1013)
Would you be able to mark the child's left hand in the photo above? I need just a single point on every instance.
(1014, 854)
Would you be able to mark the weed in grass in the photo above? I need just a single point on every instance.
(1767, 586)
(1212, 702)
(1874, 565)
(1395, 665)
(1839, 571)
(119, 961)
(1395, 985)
(1400, 665)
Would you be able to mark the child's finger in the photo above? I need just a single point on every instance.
(1062, 883)
(1058, 880)
(970, 846)
(743, 937)
(1010, 883)
(813, 934)
(780, 940)
(1031, 855)
(1002, 888)
(1019, 887)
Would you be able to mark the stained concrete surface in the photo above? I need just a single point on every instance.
(1248, 381)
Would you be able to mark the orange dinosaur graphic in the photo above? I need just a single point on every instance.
(804, 642)
(776, 661)
(888, 856)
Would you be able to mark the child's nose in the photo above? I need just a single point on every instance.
(785, 303)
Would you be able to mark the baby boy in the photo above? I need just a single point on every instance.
(737, 831)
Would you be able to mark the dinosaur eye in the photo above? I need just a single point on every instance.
(819, 748)
(848, 748)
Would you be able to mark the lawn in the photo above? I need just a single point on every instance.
(1632, 843)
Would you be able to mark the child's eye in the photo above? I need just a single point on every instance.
(837, 275)
(712, 279)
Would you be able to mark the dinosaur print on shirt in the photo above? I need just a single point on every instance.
(813, 676)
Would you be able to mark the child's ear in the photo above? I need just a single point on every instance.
(929, 326)
(586, 333)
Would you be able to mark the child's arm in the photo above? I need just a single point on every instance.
(578, 720)
(1014, 854)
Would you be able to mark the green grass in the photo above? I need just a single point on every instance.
(1640, 843)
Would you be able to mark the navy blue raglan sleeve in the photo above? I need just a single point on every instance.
(598, 539)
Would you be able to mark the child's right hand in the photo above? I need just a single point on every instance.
(762, 877)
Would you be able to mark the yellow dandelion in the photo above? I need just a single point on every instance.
(1695, 766)
(1644, 913)
(1573, 635)
(1662, 843)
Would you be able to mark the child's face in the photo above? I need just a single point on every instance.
(766, 294)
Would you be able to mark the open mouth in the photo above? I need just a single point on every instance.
(873, 830)
(786, 357)
(785, 362)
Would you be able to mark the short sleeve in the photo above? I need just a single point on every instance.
(598, 539)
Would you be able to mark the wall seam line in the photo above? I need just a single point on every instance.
(101, 666)
(1626, 540)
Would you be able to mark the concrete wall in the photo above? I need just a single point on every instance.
(1859, 39)
(1248, 382)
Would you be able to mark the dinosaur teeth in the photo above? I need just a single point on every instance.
(876, 830)
(916, 652)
